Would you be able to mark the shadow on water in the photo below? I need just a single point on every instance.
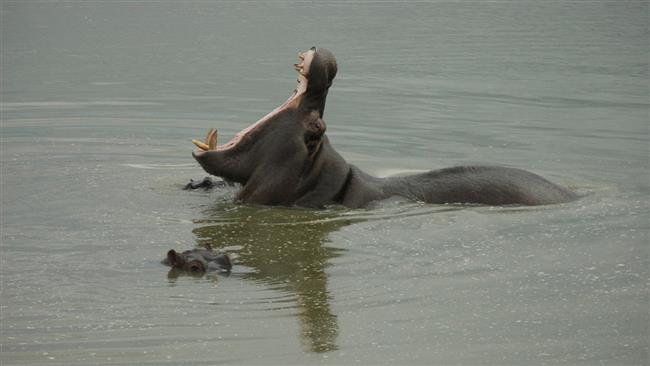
(286, 249)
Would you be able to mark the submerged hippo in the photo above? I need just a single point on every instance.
(285, 158)
(198, 261)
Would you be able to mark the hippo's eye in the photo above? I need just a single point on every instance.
(195, 266)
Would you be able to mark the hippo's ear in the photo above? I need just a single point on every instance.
(174, 259)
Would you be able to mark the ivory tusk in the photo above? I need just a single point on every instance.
(212, 140)
(201, 145)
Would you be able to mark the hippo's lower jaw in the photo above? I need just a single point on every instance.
(285, 158)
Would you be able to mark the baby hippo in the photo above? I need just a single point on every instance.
(199, 260)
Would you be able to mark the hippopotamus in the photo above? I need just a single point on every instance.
(286, 159)
(198, 260)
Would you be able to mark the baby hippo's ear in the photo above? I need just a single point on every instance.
(174, 259)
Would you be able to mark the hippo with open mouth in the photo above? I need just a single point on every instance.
(286, 159)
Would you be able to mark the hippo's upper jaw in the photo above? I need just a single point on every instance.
(316, 71)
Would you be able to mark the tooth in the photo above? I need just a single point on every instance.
(301, 55)
(212, 141)
(201, 145)
(207, 137)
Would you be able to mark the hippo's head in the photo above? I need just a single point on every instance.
(280, 149)
(198, 261)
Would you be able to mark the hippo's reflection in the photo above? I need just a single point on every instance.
(286, 248)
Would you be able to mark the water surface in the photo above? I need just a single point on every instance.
(101, 99)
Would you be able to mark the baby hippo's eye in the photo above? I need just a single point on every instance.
(195, 266)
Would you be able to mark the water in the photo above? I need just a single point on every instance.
(101, 99)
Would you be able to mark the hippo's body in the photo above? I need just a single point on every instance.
(286, 159)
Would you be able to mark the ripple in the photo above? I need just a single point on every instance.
(14, 106)
(159, 166)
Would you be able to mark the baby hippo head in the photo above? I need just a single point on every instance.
(198, 261)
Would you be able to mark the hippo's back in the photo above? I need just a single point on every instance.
(491, 185)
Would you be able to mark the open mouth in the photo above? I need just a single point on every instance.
(302, 67)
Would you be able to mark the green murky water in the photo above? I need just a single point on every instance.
(101, 99)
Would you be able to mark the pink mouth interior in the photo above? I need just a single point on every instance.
(300, 89)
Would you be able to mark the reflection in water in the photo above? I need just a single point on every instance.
(285, 248)
(175, 273)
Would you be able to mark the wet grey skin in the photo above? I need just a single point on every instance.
(198, 261)
(286, 159)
